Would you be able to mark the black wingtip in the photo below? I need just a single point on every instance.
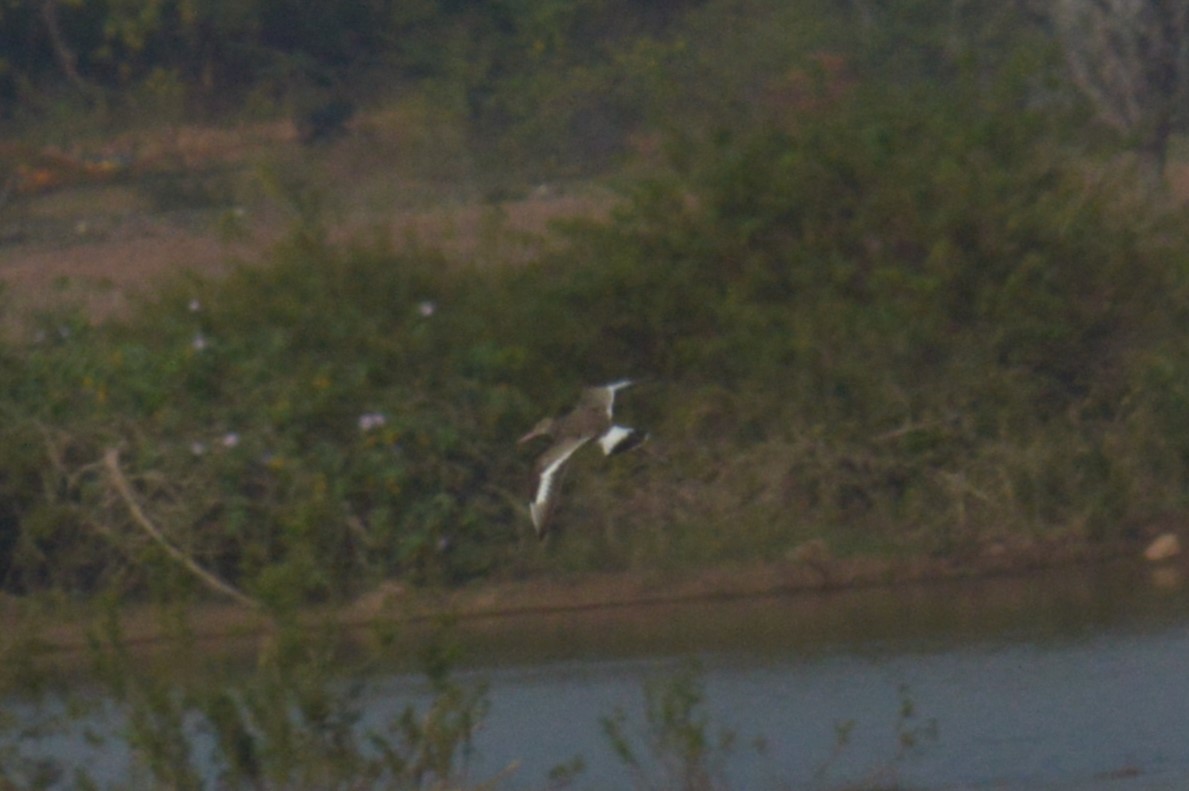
(633, 440)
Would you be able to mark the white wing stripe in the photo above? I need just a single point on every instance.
(549, 472)
(545, 486)
(611, 388)
(614, 436)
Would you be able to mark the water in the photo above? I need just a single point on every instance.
(1071, 681)
(1057, 681)
(1007, 717)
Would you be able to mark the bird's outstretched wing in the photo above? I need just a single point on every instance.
(548, 469)
(603, 396)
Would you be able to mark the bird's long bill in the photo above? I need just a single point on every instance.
(544, 428)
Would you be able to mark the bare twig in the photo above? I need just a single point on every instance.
(910, 428)
(63, 54)
(111, 460)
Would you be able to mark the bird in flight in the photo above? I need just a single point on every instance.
(591, 419)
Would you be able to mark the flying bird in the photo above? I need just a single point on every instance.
(591, 419)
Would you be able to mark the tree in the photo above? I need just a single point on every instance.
(1131, 59)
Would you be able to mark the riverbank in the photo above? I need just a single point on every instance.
(965, 654)
(65, 637)
(336, 413)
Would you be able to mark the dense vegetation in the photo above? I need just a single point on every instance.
(889, 299)
(884, 287)
(493, 65)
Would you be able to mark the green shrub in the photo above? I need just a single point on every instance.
(907, 299)
(895, 323)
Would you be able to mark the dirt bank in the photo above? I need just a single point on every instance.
(228, 627)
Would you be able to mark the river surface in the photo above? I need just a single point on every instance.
(1069, 680)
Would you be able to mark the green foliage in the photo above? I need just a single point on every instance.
(896, 314)
(681, 750)
(679, 747)
(278, 459)
(899, 323)
(292, 721)
(897, 317)
(912, 735)
(937, 317)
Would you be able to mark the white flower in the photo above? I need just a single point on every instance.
(230, 439)
(199, 343)
(371, 420)
(197, 447)
(195, 305)
(427, 308)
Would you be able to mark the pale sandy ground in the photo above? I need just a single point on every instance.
(94, 243)
(100, 266)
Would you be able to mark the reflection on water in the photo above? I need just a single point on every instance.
(1009, 716)
(1061, 680)
(1070, 680)
(1042, 608)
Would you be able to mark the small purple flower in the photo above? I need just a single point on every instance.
(230, 439)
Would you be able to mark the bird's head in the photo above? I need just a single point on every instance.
(543, 429)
